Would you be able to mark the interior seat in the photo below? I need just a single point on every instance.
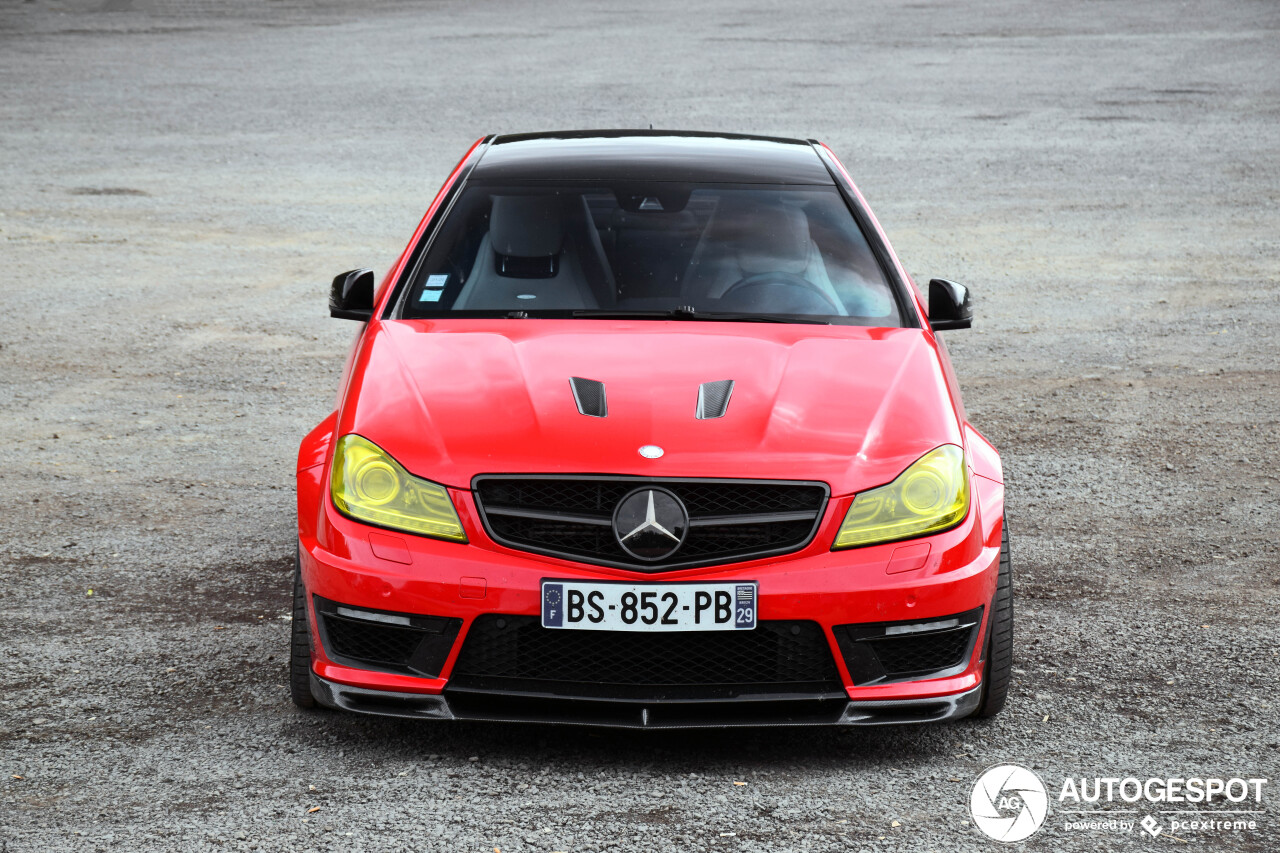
(746, 238)
(536, 256)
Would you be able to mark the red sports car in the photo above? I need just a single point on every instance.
(650, 429)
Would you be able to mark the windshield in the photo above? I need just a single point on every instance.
(691, 250)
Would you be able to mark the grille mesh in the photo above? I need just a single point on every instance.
(924, 653)
(710, 504)
(588, 496)
(873, 654)
(776, 657)
(418, 648)
(743, 498)
(716, 540)
(384, 644)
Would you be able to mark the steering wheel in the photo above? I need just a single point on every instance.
(778, 279)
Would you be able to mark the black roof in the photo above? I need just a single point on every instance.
(651, 155)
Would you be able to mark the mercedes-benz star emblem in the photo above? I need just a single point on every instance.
(650, 523)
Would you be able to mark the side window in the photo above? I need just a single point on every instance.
(851, 266)
(453, 258)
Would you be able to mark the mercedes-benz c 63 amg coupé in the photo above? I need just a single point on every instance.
(650, 429)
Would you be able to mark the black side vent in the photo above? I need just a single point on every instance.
(713, 399)
(903, 651)
(406, 643)
(589, 395)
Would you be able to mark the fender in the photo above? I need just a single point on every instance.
(314, 449)
(988, 484)
(983, 456)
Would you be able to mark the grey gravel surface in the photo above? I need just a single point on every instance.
(179, 181)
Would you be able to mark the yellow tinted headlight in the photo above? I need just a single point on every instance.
(368, 485)
(930, 496)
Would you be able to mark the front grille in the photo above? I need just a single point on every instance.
(897, 651)
(369, 639)
(729, 520)
(516, 654)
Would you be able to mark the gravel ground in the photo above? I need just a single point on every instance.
(179, 182)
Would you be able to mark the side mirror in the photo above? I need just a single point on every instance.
(351, 297)
(949, 305)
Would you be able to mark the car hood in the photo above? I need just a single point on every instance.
(848, 406)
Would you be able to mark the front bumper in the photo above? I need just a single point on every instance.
(916, 581)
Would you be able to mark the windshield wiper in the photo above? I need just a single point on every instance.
(685, 312)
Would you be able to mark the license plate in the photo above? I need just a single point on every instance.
(597, 606)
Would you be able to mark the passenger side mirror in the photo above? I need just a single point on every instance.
(351, 297)
(949, 305)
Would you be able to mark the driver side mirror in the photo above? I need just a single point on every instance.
(351, 296)
(949, 305)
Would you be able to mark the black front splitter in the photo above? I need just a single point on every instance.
(769, 710)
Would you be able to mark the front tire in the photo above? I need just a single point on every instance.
(998, 672)
(300, 645)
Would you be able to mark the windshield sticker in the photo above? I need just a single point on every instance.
(434, 288)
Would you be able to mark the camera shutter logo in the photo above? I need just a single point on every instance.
(1008, 803)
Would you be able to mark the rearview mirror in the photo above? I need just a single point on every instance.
(351, 297)
(949, 305)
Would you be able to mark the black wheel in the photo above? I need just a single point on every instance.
(300, 646)
(999, 669)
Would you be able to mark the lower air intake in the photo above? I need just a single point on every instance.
(516, 654)
(394, 642)
(901, 651)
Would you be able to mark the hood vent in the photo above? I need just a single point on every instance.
(589, 395)
(713, 399)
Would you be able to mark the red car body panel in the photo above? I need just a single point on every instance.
(846, 405)
(850, 406)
